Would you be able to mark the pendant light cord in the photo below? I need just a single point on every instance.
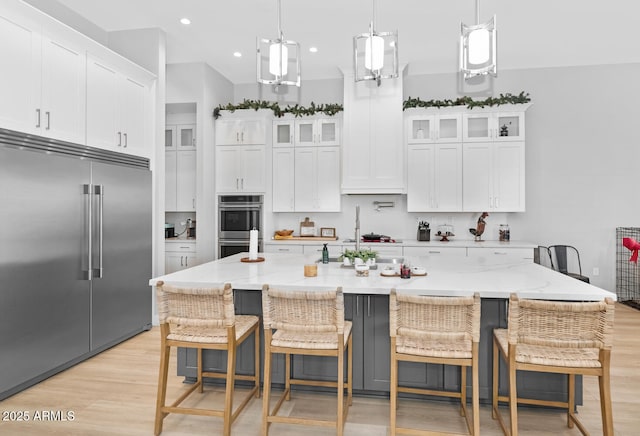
(477, 12)
(280, 34)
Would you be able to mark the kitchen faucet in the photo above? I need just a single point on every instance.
(357, 227)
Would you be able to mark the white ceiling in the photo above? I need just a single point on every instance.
(531, 34)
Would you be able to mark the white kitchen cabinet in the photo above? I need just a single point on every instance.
(317, 179)
(240, 168)
(180, 181)
(494, 176)
(500, 254)
(179, 255)
(334, 250)
(283, 180)
(434, 178)
(319, 131)
(43, 83)
(230, 130)
(373, 151)
(116, 108)
(283, 133)
(306, 179)
(307, 132)
(424, 126)
(435, 251)
(277, 247)
(505, 124)
(180, 137)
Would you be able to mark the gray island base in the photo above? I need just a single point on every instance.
(367, 306)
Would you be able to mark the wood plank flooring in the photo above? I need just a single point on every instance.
(114, 394)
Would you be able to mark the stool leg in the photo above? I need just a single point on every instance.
(475, 395)
(287, 369)
(228, 397)
(257, 359)
(350, 370)
(513, 392)
(571, 403)
(604, 383)
(394, 388)
(267, 382)
(340, 411)
(199, 371)
(494, 384)
(162, 386)
(463, 388)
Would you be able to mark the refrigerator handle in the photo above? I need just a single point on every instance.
(87, 191)
(99, 191)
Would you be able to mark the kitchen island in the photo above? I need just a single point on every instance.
(367, 306)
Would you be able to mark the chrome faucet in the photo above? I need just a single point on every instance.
(357, 227)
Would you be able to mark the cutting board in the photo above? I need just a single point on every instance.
(304, 238)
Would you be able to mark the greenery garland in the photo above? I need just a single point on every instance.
(468, 101)
(297, 110)
(332, 109)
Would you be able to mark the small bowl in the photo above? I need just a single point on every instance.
(284, 232)
(418, 270)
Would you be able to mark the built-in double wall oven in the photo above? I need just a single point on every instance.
(237, 215)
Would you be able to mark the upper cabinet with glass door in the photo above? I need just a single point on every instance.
(503, 123)
(433, 125)
(180, 137)
(306, 132)
(319, 131)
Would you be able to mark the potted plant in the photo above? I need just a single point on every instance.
(348, 257)
(367, 255)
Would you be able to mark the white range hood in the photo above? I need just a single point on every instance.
(373, 155)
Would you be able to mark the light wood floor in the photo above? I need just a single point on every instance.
(114, 394)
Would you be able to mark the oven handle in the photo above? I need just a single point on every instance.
(240, 206)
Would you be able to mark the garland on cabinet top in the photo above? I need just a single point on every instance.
(468, 101)
(297, 110)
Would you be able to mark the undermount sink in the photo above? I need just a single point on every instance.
(378, 260)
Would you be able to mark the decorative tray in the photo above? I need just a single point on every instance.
(247, 260)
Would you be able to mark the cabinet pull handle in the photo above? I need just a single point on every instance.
(237, 137)
(497, 201)
(368, 305)
(193, 202)
(125, 140)
(185, 247)
(242, 137)
(433, 252)
(242, 183)
(237, 184)
(119, 139)
(186, 261)
(181, 261)
(502, 253)
(283, 249)
(38, 118)
(357, 305)
(48, 115)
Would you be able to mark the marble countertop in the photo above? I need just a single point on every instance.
(445, 276)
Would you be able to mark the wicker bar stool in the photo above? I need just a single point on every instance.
(441, 330)
(306, 323)
(204, 318)
(557, 337)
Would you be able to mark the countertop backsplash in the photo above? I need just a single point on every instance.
(394, 221)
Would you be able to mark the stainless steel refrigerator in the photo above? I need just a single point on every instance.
(75, 254)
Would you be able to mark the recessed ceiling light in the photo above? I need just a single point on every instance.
(185, 21)
(313, 49)
(237, 54)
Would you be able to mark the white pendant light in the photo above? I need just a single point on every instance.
(278, 60)
(375, 54)
(478, 47)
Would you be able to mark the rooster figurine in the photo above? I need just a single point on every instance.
(479, 230)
